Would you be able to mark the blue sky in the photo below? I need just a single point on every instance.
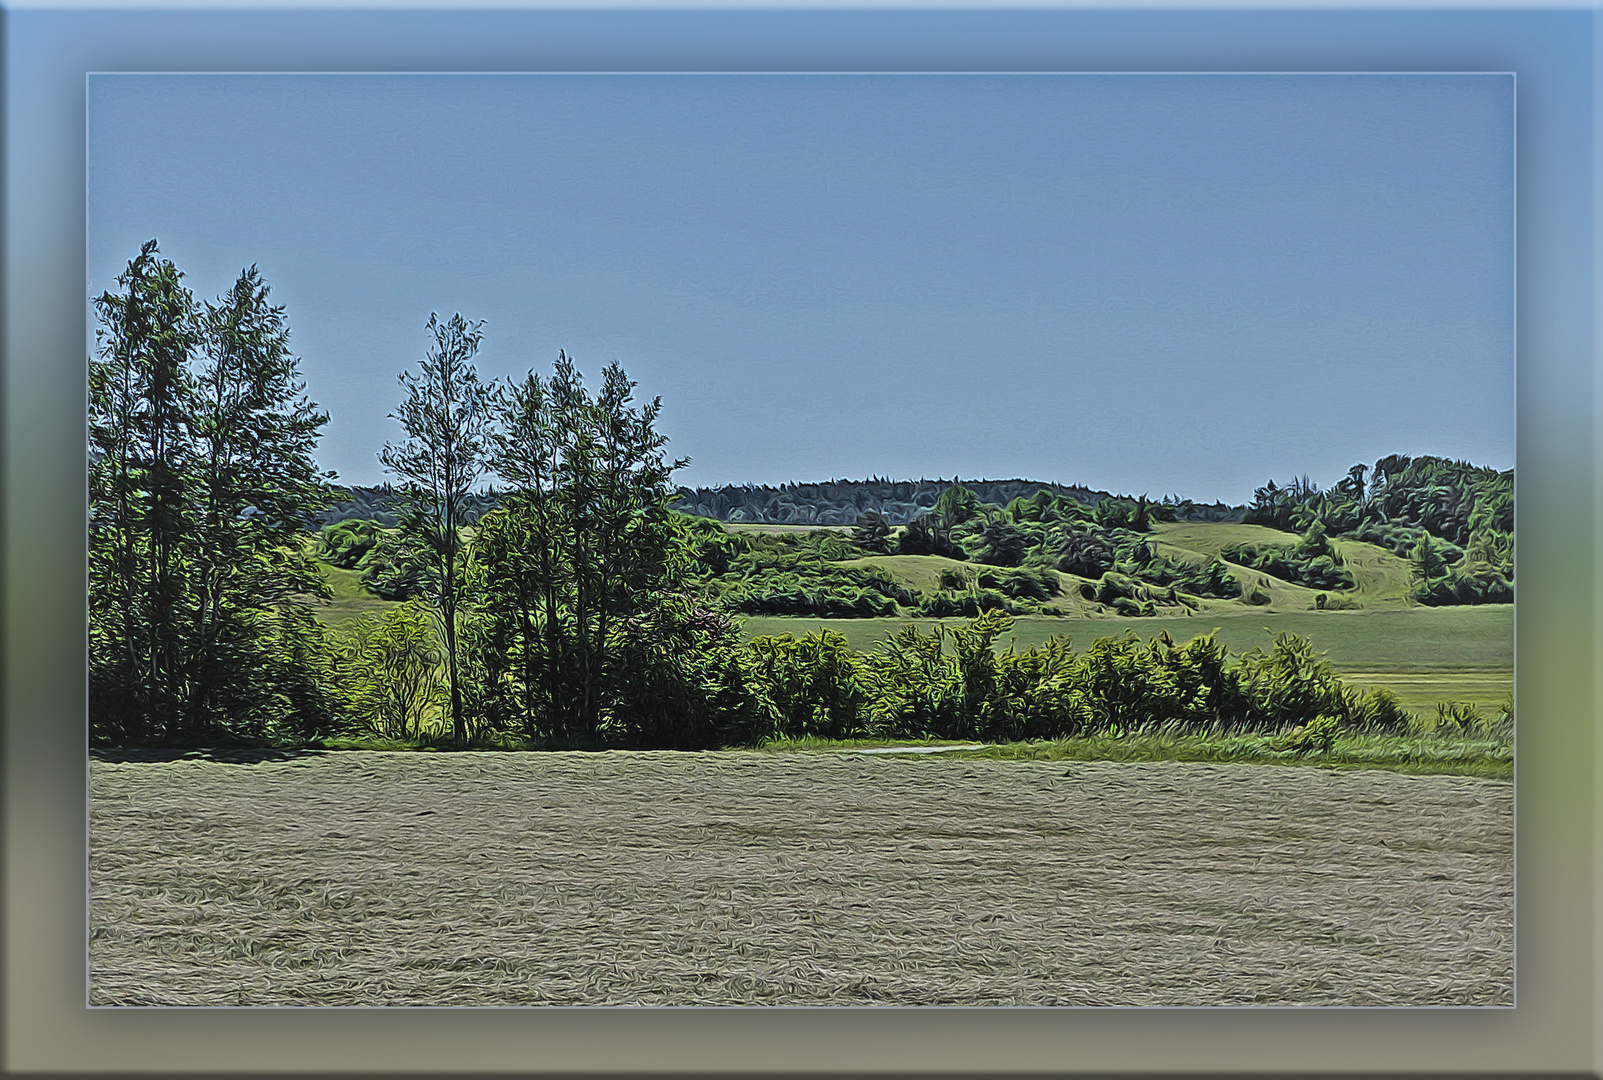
(1142, 283)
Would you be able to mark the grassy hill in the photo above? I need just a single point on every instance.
(1383, 578)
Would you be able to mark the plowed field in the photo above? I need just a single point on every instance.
(364, 878)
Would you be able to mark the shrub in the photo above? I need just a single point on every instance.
(1316, 736)
(1378, 710)
(1458, 716)
(922, 536)
(346, 544)
(1293, 683)
(1031, 584)
(393, 572)
(1294, 564)
(391, 672)
(679, 680)
(1086, 554)
(1465, 584)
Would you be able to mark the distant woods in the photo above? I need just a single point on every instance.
(589, 601)
(842, 502)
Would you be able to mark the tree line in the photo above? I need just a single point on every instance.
(580, 608)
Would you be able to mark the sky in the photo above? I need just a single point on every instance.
(1180, 284)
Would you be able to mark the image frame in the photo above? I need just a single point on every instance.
(878, 1040)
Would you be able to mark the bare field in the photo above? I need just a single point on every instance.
(365, 878)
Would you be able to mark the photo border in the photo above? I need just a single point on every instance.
(47, 54)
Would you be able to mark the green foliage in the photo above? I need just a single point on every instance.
(1312, 562)
(1458, 715)
(997, 543)
(677, 678)
(1401, 539)
(201, 476)
(757, 574)
(389, 671)
(924, 536)
(396, 568)
(873, 533)
(956, 506)
(968, 604)
(1377, 710)
(1293, 682)
(952, 682)
(579, 574)
(1318, 736)
(347, 544)
(1087, 553)
(1134, 515)
(809, 686)
(446, 415)
(1478, 578)
(1453, 519)
(1211, 578)
(1031, 583)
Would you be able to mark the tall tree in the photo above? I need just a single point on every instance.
(525, 573)
(446, 416)
(585, 546)
(254, 431)
(140, 397)
(201, 473)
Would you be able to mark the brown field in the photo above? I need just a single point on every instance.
(364, 878)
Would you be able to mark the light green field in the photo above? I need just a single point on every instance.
(1416, 641)
(350, 599)
(1486, 690)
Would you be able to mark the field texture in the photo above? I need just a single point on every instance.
(761, 878)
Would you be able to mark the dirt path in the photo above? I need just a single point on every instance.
(735, 878)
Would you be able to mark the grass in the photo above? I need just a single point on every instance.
(351, 600)
(1486, 690)
(1449, 755)
(1416, 640)
(921, 572)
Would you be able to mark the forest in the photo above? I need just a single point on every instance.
(534, 577)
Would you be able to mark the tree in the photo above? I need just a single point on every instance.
(446, 416)
(585, 550)
(140, 514)
(872, 532)
(1428, 562)
(201, 473)
(998, 543)
(254, 431)
(956, 506)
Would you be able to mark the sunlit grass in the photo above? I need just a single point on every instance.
(1446, 754)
